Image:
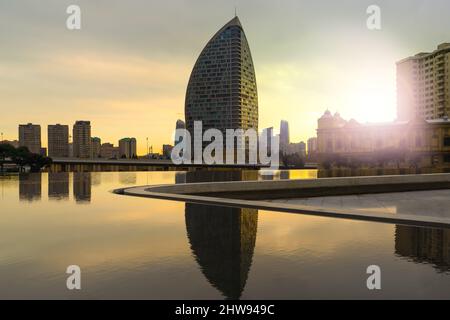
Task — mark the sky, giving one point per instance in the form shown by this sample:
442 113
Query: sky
127 69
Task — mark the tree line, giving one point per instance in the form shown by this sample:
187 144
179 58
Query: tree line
22 157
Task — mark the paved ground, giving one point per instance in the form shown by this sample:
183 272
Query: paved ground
434 203
418 208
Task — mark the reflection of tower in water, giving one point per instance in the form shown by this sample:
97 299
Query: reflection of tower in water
58 185
222 239
180 177
424 245
96 178
82 186
216 176
30 186
127 178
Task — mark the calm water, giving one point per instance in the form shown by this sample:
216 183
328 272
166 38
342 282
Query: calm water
155 249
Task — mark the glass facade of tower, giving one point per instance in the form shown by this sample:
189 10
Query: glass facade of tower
222 89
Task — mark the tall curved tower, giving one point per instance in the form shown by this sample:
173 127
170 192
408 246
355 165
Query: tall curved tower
222 87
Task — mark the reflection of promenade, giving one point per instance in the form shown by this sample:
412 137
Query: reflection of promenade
58 185
82 186
222 239
30 186
424 245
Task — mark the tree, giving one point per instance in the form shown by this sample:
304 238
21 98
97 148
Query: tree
6 151
22 157
37 162
293 160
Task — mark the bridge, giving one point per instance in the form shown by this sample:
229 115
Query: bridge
97 164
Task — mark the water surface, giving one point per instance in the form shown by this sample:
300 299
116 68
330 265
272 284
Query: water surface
140 248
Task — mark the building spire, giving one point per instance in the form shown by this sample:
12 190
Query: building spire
235 11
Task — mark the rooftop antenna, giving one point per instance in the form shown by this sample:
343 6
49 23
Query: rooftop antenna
235 11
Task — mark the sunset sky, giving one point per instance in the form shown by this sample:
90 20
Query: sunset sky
127 69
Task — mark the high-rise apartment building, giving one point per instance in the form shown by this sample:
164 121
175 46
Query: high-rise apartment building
284 136
70 150
127 148
423 87
58 140
82 139
30 137
96 144
179 125
267 133
222 89
312 145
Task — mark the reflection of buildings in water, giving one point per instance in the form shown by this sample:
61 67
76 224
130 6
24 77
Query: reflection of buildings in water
275 175
30 186
82 186
58 185
180 177
96 178
284 175
220 175
424 245
267 176
127 178
223 240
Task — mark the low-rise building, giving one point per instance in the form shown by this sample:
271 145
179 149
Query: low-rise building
167 150
108 151
415 143
296 148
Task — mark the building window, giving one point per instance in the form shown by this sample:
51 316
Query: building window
446 158
446 141
379 143
418 142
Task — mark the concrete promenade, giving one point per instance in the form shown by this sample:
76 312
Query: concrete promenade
421 200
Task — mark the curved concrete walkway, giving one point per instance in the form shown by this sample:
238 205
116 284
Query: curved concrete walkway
292 195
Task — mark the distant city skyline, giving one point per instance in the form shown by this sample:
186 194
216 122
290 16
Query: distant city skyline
128 75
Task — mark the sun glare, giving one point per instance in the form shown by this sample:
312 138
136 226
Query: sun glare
372 103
